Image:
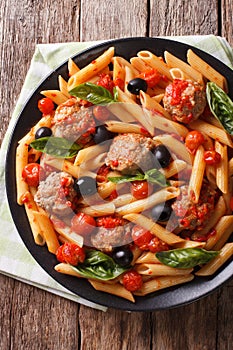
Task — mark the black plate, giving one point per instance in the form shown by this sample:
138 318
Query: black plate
164 299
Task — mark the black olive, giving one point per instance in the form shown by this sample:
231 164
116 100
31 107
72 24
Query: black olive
44 131
102 134
85 186
122 256
135 85
161 212
162 155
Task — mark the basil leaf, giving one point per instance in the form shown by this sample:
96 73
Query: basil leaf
152 175
93 93
99 266
220 105
185 258
56 146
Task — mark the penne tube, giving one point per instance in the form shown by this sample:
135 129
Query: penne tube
56 96
115 289
137 111
154 106
123 199
176 146
30 136
106 189
197 174
63 86
90 152
174 168
31 208
213 265
94 163
177 73
107 208
230 167
129 75
160 270
121 127
139 64
118 72
91 69
206 70
124 63
189 71
72 67
21 161
144 204
156 229
47 231
67 270
222 168
147 258
162 282
212 131
120 112
223 230
155 62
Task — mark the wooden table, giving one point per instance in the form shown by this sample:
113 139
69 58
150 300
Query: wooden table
33 319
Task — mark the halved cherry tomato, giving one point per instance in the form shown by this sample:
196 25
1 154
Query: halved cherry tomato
141 237
32 173
141 189
212 157
83 224
101 113
151 76
70 253
46 105
106 82
132 281
193 140
156 245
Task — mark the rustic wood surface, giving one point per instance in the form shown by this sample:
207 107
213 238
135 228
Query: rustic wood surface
33 319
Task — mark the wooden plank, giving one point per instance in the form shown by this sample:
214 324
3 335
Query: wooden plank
178 17
224 320
190 327
105 19
226 20
114 330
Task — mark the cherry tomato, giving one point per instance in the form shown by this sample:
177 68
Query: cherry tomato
151 76
32 173
70 253
83 224
101 113
141 237
212 157
141 189
132 281
193 140
45 105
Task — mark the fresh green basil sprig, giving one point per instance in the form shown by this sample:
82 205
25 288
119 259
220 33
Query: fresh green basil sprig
93 93
100 266
152 175
56 146
220 105
186 258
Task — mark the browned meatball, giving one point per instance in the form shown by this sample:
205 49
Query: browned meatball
55 194
184 100
193 216
73 122
129 152
107 238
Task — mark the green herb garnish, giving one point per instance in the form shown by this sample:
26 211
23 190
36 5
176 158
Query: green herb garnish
185 258
56 146
93 93
220 105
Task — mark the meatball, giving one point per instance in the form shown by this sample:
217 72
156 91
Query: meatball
73 122
55 194
130 152
193 216
106 239
184 100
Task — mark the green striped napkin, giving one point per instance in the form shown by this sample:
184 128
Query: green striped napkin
15 260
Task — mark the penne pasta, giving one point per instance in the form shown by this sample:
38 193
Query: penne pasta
197 174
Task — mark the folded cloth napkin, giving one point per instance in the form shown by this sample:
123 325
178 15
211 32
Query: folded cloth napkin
15 260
